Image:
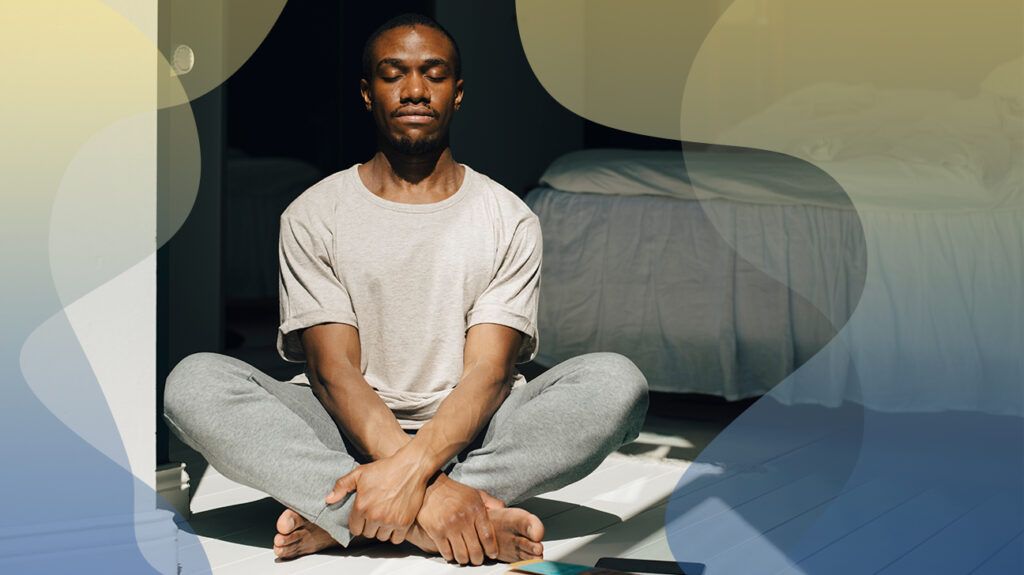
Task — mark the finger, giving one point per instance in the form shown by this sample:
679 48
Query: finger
345 484
443 547
459 548
370 530
398 536
384 534
476 553
356 523
485 531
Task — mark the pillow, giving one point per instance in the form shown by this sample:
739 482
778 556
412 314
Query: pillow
1006 80
617 171
1005 87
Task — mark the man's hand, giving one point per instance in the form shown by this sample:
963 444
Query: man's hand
455 517
389 494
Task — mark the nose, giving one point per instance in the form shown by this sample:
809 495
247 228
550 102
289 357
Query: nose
415 89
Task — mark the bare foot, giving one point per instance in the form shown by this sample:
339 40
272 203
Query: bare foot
519 535
297 537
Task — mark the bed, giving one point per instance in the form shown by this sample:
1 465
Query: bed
727 271
633 263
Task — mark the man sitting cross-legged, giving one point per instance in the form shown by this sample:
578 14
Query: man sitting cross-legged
409 287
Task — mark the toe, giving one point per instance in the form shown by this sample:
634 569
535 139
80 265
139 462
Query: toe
530 526
536 529
282 540
289 521
283 552
529 549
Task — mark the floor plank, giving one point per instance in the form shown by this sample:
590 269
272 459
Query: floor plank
814 529
892 533
967 542
1009 559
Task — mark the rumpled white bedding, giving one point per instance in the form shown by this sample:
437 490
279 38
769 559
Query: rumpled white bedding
903 178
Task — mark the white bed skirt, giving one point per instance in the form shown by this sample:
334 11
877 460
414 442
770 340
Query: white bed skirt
695 293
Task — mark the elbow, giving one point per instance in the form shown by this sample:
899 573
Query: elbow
504 390
319 388
327 382
502 378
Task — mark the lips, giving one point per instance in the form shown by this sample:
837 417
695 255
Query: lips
415 115
420 112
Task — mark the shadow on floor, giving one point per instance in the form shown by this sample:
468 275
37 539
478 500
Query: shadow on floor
251 523
672 452
254 524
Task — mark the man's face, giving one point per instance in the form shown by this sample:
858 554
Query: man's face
412 90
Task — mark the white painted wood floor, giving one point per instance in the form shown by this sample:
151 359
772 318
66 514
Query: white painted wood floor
616 511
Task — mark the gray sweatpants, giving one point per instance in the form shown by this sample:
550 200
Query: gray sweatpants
276 437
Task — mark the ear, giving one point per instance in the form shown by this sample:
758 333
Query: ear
364 90
458 94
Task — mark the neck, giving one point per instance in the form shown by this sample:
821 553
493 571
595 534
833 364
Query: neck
399 168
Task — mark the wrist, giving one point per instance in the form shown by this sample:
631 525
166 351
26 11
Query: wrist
419 463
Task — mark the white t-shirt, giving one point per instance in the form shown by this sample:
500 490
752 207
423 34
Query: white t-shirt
412 278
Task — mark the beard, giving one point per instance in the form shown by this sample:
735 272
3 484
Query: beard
423 145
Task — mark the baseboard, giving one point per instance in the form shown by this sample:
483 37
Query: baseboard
92 544
172 487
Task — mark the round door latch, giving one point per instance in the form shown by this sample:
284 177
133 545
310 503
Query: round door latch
183 59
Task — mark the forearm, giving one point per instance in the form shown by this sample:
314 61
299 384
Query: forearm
358 411
461 416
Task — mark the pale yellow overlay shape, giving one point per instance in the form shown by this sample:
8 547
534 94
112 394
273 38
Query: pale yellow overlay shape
222 34
934 86
914 109
621 64
78 72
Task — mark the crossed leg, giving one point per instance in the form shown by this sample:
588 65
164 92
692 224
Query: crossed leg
558 427
276 437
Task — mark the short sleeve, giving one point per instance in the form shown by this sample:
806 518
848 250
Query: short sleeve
310 291
512 296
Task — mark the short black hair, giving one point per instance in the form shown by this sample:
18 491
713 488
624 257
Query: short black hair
409 19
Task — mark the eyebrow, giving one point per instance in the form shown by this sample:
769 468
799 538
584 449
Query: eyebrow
400 64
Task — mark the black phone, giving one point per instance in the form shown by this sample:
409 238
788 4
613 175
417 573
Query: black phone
650 567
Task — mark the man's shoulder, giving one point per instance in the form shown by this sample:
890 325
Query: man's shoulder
510 205
318 199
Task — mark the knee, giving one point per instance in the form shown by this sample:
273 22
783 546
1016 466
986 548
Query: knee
188 387
624 385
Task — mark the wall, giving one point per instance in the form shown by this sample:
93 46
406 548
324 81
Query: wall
508 126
